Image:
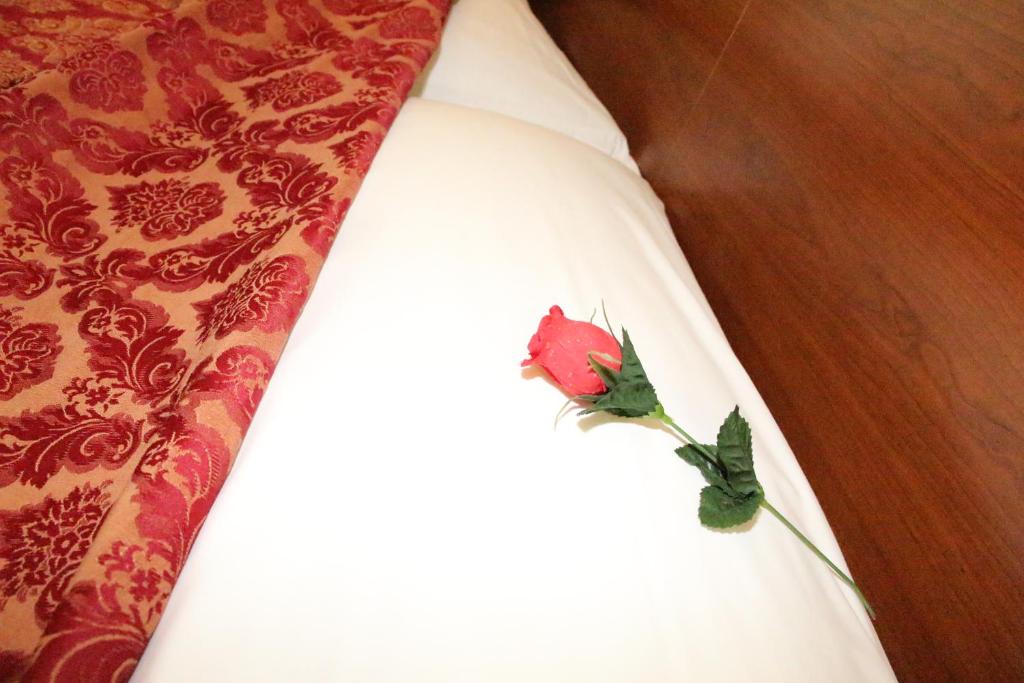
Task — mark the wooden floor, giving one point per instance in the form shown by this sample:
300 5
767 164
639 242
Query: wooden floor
847 179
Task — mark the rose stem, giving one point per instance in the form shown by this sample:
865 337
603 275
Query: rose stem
771 508
814 549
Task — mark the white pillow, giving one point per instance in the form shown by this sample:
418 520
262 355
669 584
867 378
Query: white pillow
495 55
403 509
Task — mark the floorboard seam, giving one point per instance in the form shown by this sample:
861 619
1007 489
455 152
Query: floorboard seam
718 60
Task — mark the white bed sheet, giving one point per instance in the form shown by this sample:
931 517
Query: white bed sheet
402 509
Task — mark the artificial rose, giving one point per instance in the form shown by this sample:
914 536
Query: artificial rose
569 351
563 347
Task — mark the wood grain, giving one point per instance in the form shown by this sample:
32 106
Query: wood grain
849 188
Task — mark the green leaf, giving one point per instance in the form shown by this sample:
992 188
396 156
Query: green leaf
630 393
735 453
709 469
721 510
632 370
733 493
625 400
606 374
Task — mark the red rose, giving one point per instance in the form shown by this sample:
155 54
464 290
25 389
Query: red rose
561 346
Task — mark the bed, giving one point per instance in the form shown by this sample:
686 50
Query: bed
403 507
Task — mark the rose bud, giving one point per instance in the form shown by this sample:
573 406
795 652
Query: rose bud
562 347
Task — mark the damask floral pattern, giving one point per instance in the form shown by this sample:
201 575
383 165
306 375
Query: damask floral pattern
238 378
35 446
22 279
167 197
292 90
408 22
237 16
41 545
48 208
267 296
28 353
39 34
166 209
356 152
106 78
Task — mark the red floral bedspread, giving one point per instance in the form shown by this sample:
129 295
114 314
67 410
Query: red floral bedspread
172 181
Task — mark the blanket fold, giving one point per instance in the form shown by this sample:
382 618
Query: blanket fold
173 175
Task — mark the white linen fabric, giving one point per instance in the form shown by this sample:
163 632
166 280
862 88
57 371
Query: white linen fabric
495 55
403 509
